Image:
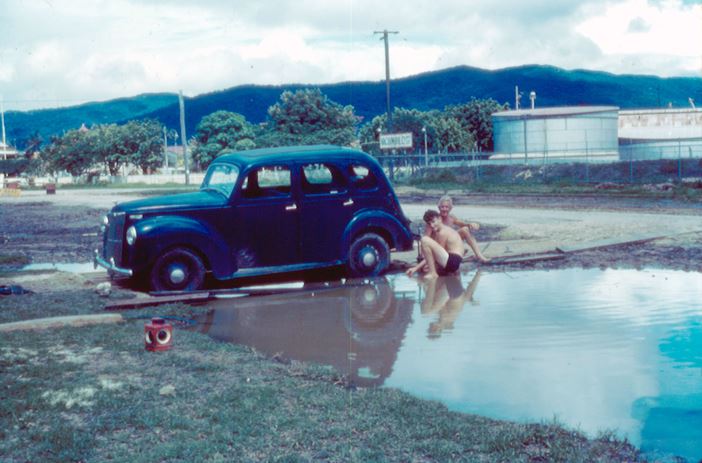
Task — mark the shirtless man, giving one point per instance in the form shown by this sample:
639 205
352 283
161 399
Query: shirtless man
464 229
442 251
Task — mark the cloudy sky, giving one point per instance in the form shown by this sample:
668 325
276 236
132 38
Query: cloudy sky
65 52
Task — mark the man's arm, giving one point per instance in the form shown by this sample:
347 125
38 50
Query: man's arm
472 226
412 270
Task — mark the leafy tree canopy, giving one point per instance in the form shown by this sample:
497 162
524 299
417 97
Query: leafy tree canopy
77 151
219 132
442 134
308 117
475 117
143 143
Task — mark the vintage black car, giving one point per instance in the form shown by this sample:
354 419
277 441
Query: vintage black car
261 212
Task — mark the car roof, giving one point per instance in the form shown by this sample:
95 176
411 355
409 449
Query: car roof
297 153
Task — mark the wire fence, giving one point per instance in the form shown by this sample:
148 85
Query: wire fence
631 164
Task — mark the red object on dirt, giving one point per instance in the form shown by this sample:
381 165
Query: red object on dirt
158 335
50 188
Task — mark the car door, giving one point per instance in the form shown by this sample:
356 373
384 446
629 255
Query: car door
366 187
326 209
266 228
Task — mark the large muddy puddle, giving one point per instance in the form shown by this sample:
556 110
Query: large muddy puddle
595 349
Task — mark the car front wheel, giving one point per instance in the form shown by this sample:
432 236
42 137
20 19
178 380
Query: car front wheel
369 255
177 270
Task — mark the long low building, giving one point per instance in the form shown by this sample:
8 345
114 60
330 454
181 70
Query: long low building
568 132
660 133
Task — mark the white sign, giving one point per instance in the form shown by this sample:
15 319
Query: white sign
395 140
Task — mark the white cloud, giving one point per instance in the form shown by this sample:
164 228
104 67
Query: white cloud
80 50
666 29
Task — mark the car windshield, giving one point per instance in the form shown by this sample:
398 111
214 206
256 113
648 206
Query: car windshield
221 178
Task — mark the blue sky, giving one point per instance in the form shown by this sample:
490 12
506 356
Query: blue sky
65 52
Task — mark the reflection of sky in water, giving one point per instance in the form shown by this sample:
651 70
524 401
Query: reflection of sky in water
598 350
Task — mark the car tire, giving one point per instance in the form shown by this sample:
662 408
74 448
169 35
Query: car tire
369 255
178 270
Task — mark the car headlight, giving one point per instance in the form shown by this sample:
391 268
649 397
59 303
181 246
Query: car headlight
131 235
104 224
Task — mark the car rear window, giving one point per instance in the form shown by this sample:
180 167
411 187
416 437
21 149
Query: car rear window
321 178
362 177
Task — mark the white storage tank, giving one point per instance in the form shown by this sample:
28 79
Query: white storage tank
646 134
584 132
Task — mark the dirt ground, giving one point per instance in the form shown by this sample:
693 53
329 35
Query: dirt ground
63 228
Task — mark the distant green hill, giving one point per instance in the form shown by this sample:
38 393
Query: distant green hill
431 90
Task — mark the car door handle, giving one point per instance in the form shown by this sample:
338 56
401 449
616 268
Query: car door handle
291 207
348 202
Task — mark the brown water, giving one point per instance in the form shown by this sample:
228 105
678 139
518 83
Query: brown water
598 350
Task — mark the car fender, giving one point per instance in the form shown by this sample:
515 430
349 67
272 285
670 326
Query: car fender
159 233
378 221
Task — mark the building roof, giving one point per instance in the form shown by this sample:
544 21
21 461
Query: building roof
557 111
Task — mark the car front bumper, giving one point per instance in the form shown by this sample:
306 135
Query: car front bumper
110 266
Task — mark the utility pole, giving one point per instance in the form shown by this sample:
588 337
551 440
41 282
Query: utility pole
165 149
2 116
385 33
183 140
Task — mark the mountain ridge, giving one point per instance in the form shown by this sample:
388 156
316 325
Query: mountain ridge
425 91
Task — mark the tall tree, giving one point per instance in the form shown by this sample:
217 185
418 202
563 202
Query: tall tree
476 118
219 132
73 153
143 143
308 117
109 147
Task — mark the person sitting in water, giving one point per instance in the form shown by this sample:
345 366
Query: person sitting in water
465 229
443 250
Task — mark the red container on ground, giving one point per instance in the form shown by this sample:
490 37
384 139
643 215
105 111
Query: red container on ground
158 335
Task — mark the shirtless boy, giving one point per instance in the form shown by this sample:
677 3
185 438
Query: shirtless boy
442 251
464 229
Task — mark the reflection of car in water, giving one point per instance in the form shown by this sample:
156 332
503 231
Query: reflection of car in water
355 327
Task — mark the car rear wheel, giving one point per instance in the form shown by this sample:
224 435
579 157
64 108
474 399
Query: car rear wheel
178 270
369 255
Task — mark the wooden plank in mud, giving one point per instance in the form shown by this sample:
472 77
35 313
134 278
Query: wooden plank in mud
525 258
138 302
592 246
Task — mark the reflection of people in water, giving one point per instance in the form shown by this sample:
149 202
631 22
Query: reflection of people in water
446 296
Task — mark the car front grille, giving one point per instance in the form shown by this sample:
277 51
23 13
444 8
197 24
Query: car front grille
114 237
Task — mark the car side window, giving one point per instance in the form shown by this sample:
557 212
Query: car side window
321 178
267 182
362 178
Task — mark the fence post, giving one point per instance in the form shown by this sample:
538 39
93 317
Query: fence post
587 162
679 161
631 168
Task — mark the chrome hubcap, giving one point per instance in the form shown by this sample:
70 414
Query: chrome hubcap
176 275
369 258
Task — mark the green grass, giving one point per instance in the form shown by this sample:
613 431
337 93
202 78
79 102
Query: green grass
94 394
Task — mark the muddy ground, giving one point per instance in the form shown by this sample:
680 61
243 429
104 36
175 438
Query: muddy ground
46 230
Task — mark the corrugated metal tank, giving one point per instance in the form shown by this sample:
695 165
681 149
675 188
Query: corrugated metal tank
557 131
646 134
